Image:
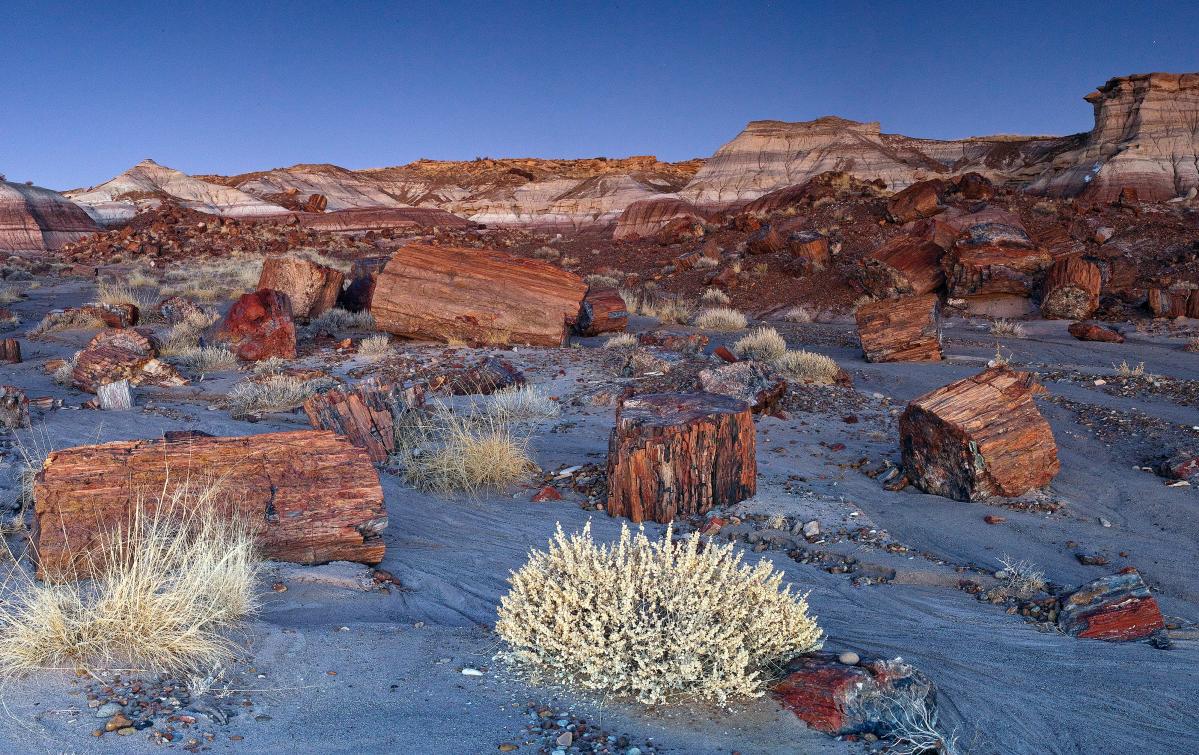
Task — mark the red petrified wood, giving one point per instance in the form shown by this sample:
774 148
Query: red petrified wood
676 454
1089 331
900 330
10 350
311 288
1071 290
363 414
979 437
904 266
259 326
478 296
1116 608
603 311
316 497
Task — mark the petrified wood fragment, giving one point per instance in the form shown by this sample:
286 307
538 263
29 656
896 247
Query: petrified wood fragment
759 386
1090 331
676 454
365 415
1071 290
1115 608
603 311
259 326
920 200
314 495
904 266
900 330
10 350
105 363
982 436
311 288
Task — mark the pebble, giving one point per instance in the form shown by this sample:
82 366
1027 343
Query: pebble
507 748
108 710
565 739
849 658
118 722
468 671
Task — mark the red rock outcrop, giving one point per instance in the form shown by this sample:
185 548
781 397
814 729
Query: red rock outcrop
33 219
259 326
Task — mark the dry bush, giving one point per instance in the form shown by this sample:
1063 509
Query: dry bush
184 335
661 622
621 341
521 403
714 295
71 319
808 367
650 303
205 359
62 375
1021 578
546 253
1007 329
374 346
597 280
799 314
763 344
111 292
10 293
912 723
442 452
141 279
165 590
707 263
1125 370
271 366
338 319
720 318
272 393
213 279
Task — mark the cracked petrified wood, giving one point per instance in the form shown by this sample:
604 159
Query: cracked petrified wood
603 311
979 437
904 266
259 326
1071 290
107 363
311 289
900 330
676 454
1115 608
476 296
365 415
315 497
10 350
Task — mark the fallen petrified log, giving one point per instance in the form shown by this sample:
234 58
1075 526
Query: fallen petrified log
14 408
676 454
603 311
259 326
673 340
904 266
900 330
839 698
1071 290
10 350
920 200
356 296
122 354
311 288
365 415
315 497
979 437
1089 331
994 264
1116 608
478 296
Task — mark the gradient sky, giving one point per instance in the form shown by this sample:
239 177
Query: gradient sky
88 89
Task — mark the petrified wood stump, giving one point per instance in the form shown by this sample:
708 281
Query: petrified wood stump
900 330
603 311
674 454
1089 331
311 288
259 326
365 415
316 497
904 266
10 350
1071 290
356 296
979 437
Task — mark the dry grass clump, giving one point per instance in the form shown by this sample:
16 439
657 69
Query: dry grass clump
714 295
1020 578
71 319
440 451
799 315
521 403
376 345
139 278
184 336
111 292
62 375
272 393
10 293
660 622
621 341
213 279
599 280
808 367
912 723
707 263
205 359
1008 329
164 592
271 366
763 344
1125 370
338 319
720 318
650 303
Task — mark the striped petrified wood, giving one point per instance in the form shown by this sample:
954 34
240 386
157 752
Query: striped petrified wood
364 414
315 496
904 266
979 437
900 330
478 296
1071 290
674 454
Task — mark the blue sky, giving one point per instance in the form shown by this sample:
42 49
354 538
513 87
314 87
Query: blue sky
224 87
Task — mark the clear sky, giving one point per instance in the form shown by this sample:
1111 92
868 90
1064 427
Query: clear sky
88 89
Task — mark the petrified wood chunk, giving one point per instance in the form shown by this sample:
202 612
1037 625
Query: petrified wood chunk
1168 302
14 408
1116 608
979 437
766 240
920 200
482 378
105 363
603 311
749 381
316 497
316 203
811 249
1071 290
137 340
900 330
1089 331
904 266
115 315
992 269
114 397
478 296
10 350
311 288
364 414
673 340
176 309
674 454
356 297
259 326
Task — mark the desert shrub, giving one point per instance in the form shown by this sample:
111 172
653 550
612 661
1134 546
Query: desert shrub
1020 578
271 366
164 592
205 359
521 403
763 344
798 314
213 279
442 452
339 319
10 293
376 345
1007 329
272 393
1125 370
184 335
808 367
110 292
621 341
720 318
660 622
650 303
140 279
546 253
707 263
911 722
71 319
597 280
715 296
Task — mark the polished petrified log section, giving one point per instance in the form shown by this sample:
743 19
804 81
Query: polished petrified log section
900 330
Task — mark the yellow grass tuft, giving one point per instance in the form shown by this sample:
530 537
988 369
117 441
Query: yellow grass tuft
71 319
763 344
272 393
376 345
443 452
720 318
808 367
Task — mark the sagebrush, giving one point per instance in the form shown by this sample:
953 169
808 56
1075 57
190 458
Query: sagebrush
763 344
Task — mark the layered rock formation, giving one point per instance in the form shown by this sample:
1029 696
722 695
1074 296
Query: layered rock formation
646 217
36 219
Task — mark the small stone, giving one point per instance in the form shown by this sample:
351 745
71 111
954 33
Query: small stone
565 739
108 710
507 747
849 658
118 722
468 671
811 529
126 731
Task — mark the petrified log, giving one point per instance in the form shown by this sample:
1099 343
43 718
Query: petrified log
115 315
311 288
316 203
979 437
1089 331
10 350
766 240
1115 608
315 496
137 340
1071 290
900 330
483 378
114 397
1168 302
676 454
811 249
478 296
356 297
838 698
603 311
14 408
365 415
920 200
992 269
99 365
259 326
748 381
904 266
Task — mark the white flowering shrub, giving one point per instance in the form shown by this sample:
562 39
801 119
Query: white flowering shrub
660 622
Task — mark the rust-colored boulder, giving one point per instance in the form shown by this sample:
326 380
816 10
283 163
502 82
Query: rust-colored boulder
900 330
1071 290
259 326
311 288
920 200
603 311
972 186
1090 331
904 266
979 437
316 497
477 296
1116 608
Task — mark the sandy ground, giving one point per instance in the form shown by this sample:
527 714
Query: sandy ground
398 656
